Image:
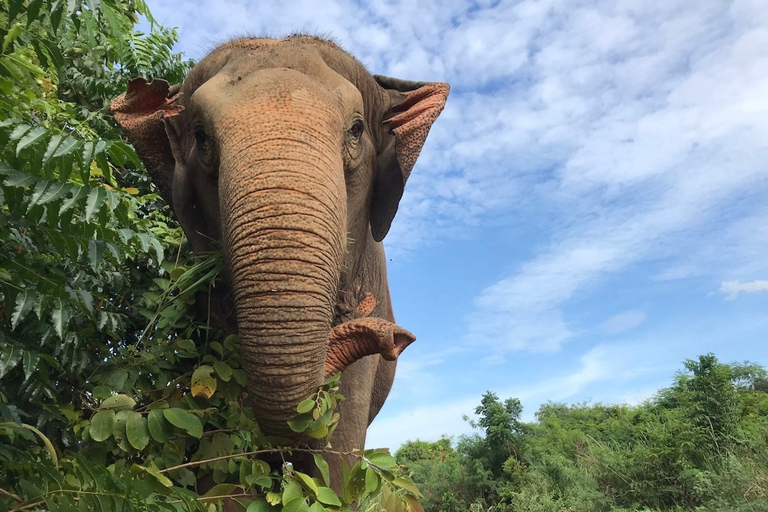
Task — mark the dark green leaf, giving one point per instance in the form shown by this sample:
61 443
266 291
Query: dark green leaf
78 194
160 428
9 358
136 430
96 199
52 145
33 137
101 425
31 358
60 317
70 145
25 299
95 252
185 421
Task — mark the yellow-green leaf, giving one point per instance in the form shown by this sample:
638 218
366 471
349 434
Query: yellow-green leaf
203 382
307 481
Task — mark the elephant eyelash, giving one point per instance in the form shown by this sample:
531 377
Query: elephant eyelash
356 130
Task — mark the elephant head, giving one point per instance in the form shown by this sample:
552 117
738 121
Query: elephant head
292 158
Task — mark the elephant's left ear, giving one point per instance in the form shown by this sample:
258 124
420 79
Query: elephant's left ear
414 107
140 112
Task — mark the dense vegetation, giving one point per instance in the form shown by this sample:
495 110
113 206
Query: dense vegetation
701 444
115 392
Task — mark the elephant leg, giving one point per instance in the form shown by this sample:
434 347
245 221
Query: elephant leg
382 384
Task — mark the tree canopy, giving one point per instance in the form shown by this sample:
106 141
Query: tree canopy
701 444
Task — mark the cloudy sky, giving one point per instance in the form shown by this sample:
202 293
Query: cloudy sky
590 209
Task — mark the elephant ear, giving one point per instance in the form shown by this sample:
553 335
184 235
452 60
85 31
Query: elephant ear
414 106
140 112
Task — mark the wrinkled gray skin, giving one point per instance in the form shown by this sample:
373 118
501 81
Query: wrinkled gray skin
291 156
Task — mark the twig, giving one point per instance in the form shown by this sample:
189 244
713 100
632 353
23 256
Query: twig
28 506
11 495
257 452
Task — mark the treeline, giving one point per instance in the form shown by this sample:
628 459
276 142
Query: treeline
700 444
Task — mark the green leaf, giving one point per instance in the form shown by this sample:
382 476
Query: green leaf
101 425
316 507
292 492
137 431
306 406
87 154
300 423
223 370
95 252
31 359
51 149
54 191
118 403
33 137
185 421
19 131
328 497
160 428
78 194
406 483
322 465
307 481
259 505
372 480
70 145
96 199
60 317
119 430
24 302
381 458
298 505
221 490
264 481
9 358
152 470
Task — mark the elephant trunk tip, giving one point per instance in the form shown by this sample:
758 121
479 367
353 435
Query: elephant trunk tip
362 337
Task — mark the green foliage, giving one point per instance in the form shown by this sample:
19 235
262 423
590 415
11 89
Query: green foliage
701 444
115 393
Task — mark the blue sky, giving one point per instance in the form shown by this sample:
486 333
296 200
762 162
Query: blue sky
590 209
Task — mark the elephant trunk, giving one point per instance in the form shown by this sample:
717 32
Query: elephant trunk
283 212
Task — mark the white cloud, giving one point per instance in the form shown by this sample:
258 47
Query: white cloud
623 322
734 288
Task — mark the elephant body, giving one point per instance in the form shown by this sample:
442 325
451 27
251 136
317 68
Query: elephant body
291 158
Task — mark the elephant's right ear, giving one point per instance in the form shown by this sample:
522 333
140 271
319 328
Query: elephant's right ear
414 106
140 112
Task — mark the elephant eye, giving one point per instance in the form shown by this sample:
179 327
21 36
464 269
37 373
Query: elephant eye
356 130
200 136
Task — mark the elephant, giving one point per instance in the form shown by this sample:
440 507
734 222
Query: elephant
291 158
